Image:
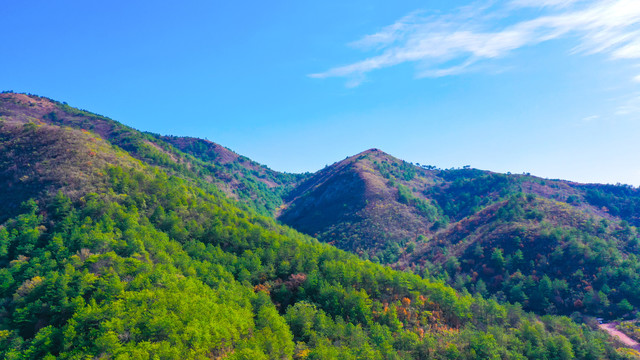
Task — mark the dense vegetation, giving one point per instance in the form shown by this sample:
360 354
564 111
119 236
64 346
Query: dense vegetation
153 267
552 246
201 161
139 261
251 182
619 200
544 255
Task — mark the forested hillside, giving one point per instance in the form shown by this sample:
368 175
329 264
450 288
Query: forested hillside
542 253
555 247
109 255
201 161
356 205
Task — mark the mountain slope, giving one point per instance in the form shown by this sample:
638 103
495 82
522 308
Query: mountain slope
137 263
36 161
358 206
545 254
497 234
238 175
198 160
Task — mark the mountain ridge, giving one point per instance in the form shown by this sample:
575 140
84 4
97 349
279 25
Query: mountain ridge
237 176
143 261
461 224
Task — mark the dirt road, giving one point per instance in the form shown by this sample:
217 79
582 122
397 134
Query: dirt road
611 329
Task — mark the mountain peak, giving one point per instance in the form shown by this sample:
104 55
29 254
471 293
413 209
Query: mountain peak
367 192
23 107
372 152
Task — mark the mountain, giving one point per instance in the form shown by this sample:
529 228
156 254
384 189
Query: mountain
239 176
544 254
363 204
203 161
554 246
114 256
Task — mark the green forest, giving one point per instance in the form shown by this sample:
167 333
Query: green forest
106 253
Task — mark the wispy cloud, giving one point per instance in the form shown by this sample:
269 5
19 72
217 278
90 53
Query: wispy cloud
630 106
543 3
590 119
487 31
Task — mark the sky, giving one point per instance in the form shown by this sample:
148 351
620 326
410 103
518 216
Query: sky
549 87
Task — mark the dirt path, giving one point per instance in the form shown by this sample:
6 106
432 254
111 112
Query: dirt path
611 329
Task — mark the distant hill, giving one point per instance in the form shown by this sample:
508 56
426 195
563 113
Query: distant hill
237 175
554 246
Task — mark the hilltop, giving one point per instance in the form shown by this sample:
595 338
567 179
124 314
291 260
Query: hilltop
356 204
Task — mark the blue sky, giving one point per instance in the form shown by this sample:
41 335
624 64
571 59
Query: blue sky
550 87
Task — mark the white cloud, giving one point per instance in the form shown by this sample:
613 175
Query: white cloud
543 3
389 34
486 31
590 119
631 106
